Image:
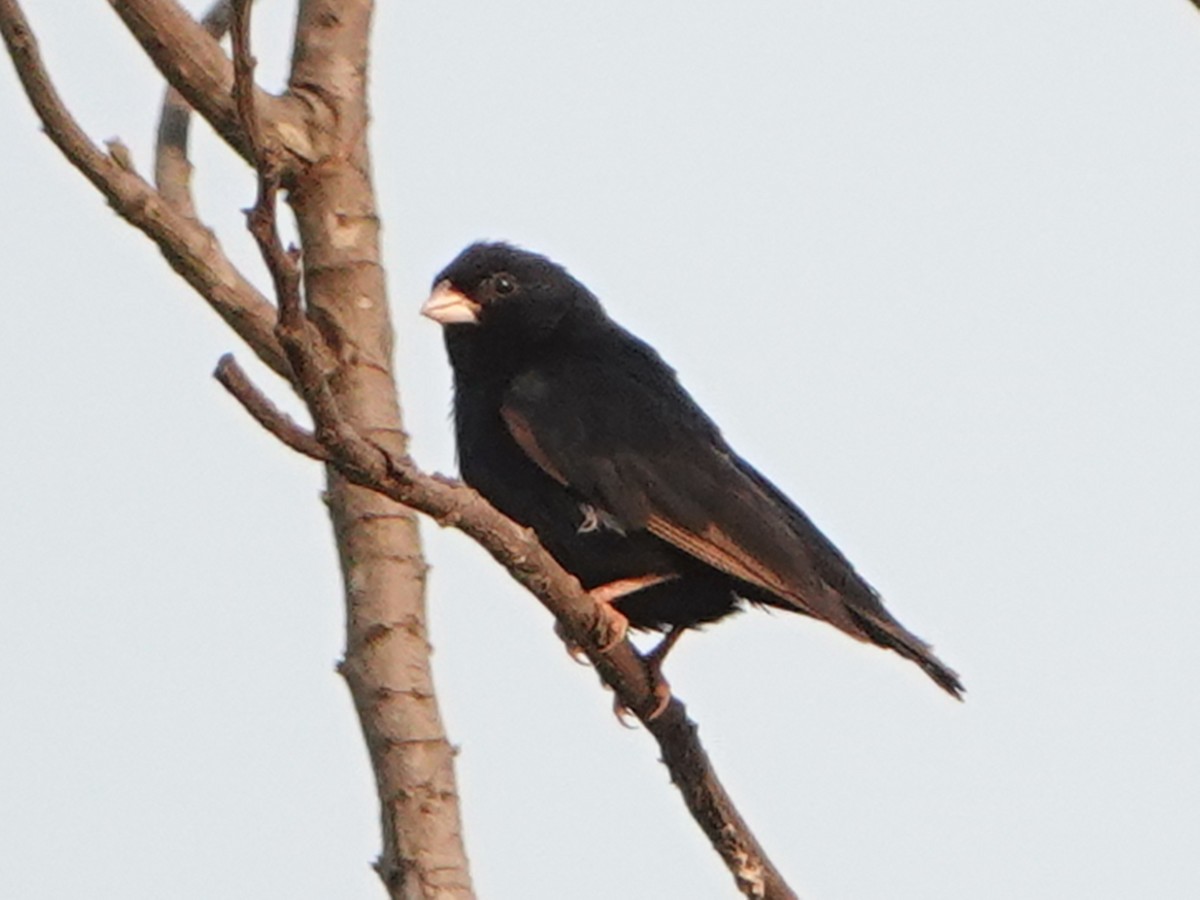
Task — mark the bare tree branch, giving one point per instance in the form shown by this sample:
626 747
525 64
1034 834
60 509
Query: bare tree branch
192 250
234 379
194 64
387 665
172 167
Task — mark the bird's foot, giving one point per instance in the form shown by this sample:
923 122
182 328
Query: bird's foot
609 628
573 649
660 690
656 657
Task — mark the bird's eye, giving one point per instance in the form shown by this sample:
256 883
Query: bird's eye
504 284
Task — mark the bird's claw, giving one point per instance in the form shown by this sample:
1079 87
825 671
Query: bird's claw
610 627
624 714
660 690
573 649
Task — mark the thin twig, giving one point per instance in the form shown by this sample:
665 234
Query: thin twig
235 380
172 166
283 264
244 87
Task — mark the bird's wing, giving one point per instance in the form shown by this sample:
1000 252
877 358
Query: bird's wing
628 439
635 444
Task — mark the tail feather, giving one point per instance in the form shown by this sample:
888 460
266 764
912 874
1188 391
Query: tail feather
887 632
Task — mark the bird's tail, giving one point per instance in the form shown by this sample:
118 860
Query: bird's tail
887 632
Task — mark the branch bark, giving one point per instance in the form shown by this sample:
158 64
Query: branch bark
192 62
387 663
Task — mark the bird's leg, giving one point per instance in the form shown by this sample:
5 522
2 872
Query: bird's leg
654 663
611 626
655 658
659 686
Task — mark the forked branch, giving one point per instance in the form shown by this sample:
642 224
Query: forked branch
192 62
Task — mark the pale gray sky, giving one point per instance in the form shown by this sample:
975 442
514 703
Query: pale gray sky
935 268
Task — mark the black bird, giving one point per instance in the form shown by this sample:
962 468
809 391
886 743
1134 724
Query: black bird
575 428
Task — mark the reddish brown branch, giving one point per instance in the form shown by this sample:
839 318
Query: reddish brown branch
283 265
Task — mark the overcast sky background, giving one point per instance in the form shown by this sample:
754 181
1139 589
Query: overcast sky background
933 266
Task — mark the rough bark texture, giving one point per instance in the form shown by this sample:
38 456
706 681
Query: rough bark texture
192 61
387 658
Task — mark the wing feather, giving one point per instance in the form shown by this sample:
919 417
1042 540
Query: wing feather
629 440
655 461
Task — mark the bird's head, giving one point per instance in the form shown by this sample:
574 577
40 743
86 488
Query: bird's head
505 299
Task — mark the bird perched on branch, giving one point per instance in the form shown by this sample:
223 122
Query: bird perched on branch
570 425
